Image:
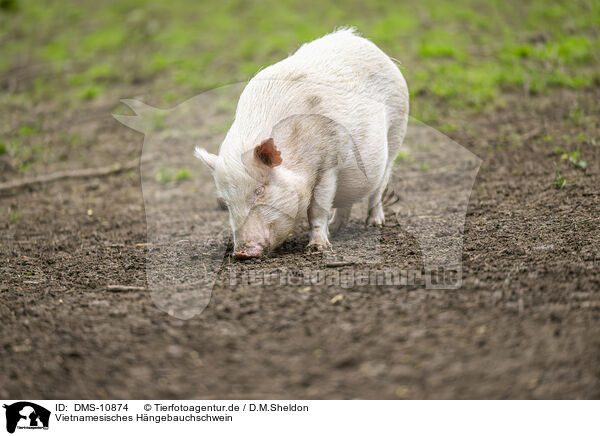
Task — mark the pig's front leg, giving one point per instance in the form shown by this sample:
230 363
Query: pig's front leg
319 209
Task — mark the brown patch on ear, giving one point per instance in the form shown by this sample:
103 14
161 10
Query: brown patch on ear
267 153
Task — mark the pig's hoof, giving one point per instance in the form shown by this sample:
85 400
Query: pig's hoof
318 246
376 218
248 253
372 222
375 221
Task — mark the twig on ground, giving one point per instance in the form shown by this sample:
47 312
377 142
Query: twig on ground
338 264
72 174
122 288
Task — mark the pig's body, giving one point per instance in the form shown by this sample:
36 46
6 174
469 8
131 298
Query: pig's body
336 111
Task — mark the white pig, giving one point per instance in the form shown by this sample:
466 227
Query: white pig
312 135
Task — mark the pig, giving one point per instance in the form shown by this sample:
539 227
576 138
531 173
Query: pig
312 135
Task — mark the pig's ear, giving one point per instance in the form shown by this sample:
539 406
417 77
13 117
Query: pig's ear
209 159
267 153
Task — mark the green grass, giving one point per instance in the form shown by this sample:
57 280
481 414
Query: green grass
559 180
403 156
89 92
459 56
23 152
14 216
168 175
156 120
573 157
446 49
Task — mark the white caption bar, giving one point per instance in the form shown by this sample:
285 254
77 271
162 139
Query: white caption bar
22 417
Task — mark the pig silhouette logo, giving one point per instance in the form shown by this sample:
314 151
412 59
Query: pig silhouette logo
26 415
187 235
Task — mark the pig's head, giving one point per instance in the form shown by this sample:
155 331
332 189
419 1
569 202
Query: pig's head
259 192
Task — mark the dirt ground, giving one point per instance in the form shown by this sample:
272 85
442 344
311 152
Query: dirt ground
524 324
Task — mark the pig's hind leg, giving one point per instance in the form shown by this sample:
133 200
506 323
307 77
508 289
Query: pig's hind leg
375 216
395 137
339 219
319 210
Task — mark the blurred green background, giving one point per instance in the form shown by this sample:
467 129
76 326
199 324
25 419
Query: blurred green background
460 56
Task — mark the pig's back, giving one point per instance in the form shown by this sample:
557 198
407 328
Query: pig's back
342 55
344 72
343 60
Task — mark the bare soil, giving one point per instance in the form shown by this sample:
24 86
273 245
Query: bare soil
524 323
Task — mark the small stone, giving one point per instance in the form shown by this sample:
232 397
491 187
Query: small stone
337 299
402 392
175 350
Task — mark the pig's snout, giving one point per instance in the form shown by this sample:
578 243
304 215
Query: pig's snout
252 238
248 251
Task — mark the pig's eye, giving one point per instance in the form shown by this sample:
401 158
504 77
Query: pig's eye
259 191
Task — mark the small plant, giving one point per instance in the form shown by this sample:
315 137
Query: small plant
574 157
439 50
559 180
168 175
448 127
403 156
90 92
170 97
575 160
22 151
183 174
164 176
424 166
26 130
14 216
158 121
